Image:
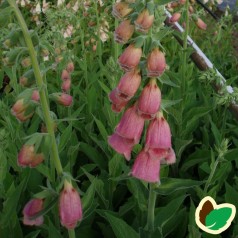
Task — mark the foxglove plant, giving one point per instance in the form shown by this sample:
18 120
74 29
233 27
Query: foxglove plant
158 147
35 151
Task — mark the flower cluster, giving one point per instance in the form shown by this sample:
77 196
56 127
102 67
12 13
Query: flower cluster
174 6
70 208
158 147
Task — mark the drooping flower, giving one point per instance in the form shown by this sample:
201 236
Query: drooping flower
149 101
201 24
156 63
35 96
121 10
129 84
130 58
121 145
33 207
175 17
28 157
144 21
65 75
62 99
70 208
146 168
118 103
131 125
66 85
124 32
158 133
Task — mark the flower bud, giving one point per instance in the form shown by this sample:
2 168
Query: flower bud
158 133
144 21
156 63
201 24
130 58
27 79
65 75
18 107
131 125
26 62
149 101
121 145
70 208
33 207
129 84
175 17
28 157
62 99
70 67
66 85
124 32
146 168
35 96
121 10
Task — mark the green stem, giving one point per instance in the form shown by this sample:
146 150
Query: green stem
185 46
211 175
151 209
41 86
71 233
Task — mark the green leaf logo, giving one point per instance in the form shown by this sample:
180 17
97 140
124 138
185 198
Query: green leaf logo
213 218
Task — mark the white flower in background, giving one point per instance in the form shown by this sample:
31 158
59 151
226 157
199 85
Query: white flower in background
76 7
205 1
219 1
38 8
45 6
46 58
60 2
24 3
69 31
103 30
101 3
229 89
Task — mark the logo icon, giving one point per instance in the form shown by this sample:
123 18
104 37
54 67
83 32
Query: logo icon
213 218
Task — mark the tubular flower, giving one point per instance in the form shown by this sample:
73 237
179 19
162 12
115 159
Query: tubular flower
144 21
156 63
28 157
129 84
146 168
149 101
124 32
62 99
65 75
121 10
70 208
175 17
131 125
130 58
66 85
118 103
23 110
201 24
33 207
158 133
121 145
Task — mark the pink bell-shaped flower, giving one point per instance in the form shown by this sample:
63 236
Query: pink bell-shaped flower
70 208
118 103
124 32
33 207
149 101
146 168
131 125
130 58
121 145
158 133
144 21
129 84
156 63
175 17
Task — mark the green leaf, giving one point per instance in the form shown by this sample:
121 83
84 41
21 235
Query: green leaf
217 218
170 185
101 128
162 2
120 227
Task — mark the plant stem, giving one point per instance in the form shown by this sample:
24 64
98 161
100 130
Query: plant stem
41 86
211 175
185 46
151 209
71 233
